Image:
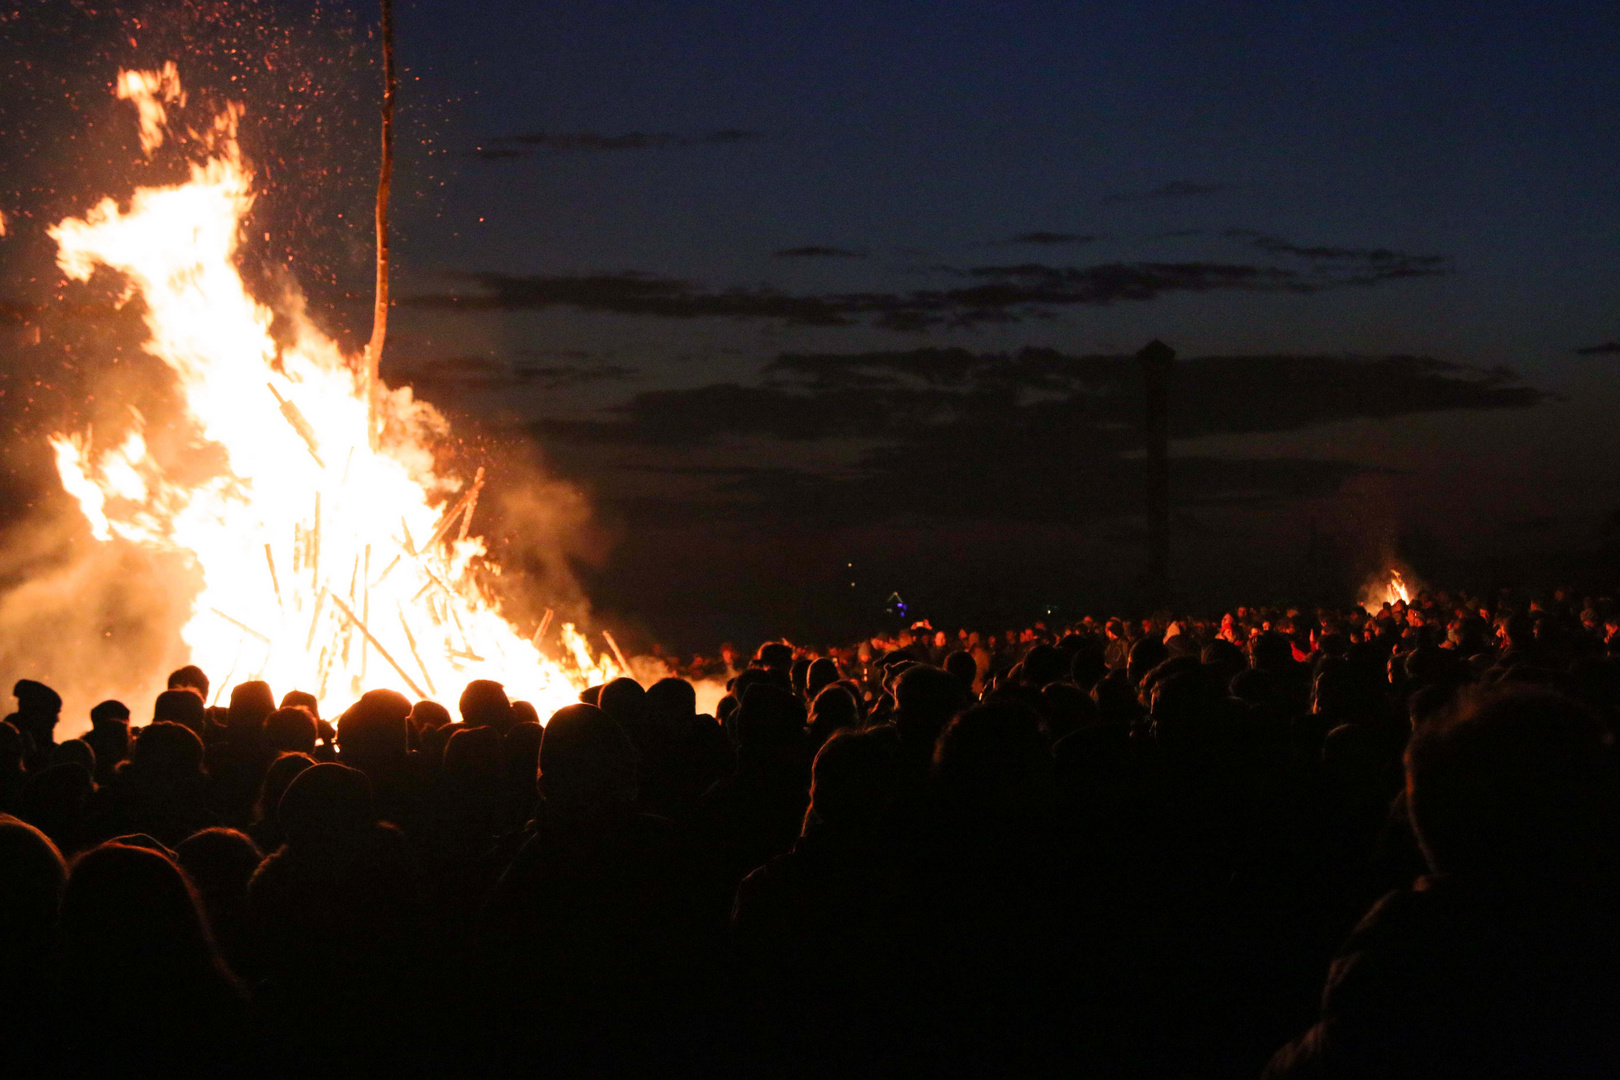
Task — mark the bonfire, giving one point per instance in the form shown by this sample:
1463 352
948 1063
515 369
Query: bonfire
334 554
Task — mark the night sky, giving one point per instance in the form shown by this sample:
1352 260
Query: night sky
816 302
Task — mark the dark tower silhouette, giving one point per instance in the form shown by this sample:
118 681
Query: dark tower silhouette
1157 359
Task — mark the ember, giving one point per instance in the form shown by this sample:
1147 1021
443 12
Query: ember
327 565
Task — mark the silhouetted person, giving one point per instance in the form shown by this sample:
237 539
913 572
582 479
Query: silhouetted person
31 877
756 813
484 704
374 737
698 752
266 830
135 946
290 731
809 928
925 700
1504 960
775 656
56 800
336 919
38 710
823 673
237 760
78 752
190 677
108 737
986 902
161 790
183 707
220 862
589 927
964 667
832 710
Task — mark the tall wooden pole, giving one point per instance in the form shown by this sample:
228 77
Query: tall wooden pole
379 314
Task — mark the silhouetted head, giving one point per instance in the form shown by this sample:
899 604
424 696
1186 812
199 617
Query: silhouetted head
77 751
821 674
56 799
1271 652
992 762
521 746
853 780
964 667
190 677
372 732
1045 664
183 707
220 862
484 704
326 805
1513 784
38 709
109 712
1223 660
777 655
524 712
1089 662
129 916
1184 708
798 674
925 700
1147 654
277 777
768 719
673 699
587 765
290 731
623 700
31 877
833 710
474 760
302 699
427 715
1066 708
1116 699
167 752
251 703
36 697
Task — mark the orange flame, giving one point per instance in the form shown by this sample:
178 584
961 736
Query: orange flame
1390 592
326 566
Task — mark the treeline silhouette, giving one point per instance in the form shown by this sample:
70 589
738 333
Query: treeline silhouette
1305 843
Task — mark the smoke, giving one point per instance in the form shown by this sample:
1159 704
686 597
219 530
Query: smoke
92 620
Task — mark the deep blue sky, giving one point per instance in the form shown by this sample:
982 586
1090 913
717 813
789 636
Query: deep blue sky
620 227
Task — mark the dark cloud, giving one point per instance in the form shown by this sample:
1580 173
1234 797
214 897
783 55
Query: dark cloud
1375 259
1029 435
814 251
1608 348
1043 237
992 294
1176 189
479 371
557 376
506 147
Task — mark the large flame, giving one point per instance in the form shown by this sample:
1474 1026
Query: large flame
326 566
1389 592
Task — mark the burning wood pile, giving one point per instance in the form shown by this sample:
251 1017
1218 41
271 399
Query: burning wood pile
335 557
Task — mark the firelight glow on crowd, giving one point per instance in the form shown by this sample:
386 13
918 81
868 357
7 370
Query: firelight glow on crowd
371 827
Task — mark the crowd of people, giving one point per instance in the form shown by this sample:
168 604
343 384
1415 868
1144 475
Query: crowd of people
1301 842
